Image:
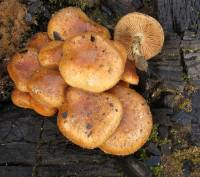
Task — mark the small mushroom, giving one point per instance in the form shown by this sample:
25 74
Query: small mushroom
47 87
142 36
121 50
123 84
21 99
71 21
22 66
135 126
51 54
130 76
39 40
89 119
24 100
42 109
91 62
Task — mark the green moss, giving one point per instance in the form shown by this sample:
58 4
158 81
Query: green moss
83 4
185 77
189 50
173 131
173 164
154 134
154 137
157 171
186 105
142 155
192 153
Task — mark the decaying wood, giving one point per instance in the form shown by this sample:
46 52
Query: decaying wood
35 145
178 15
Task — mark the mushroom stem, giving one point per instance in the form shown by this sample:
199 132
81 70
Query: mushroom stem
140 61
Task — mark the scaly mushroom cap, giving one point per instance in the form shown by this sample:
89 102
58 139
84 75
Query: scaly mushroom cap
130 74
91 63
51 54
143 26
42 109
135 126
71 21
47 87
21 99
22 66
39 40
89 119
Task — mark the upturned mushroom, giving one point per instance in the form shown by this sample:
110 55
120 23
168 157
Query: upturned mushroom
51 54
142 36
71 21
47 87
89 119
135 126
91 62
39 40
21 67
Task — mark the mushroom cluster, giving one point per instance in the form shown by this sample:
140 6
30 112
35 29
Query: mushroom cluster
77 70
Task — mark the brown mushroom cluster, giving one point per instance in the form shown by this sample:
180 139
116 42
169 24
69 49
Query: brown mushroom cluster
77 70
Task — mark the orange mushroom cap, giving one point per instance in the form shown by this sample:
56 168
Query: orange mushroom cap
130 74
24 100
22 66
135 126
71 21
51 54
144 27
89 119
39 40
21 99
47 87
42 109
91 62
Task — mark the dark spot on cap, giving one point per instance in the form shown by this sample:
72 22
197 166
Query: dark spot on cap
1 35
88 126
116 110
64 115
89 134
110 70
104 114
23 51
111 104
143 103
92 38
103 50
57 36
